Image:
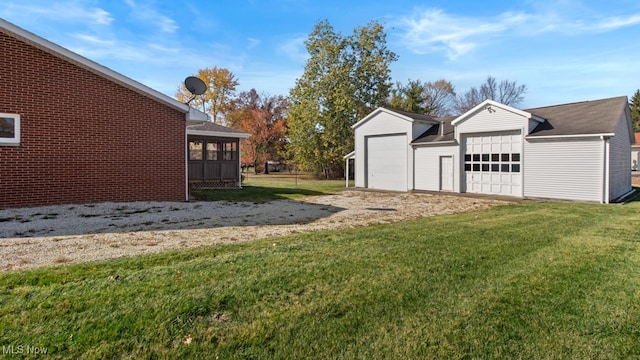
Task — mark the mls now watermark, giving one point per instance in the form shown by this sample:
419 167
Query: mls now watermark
24 349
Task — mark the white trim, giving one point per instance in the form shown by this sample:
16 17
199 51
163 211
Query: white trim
72 57
239 166
607 146
447 143
522 162
241 135
15 140
390 112
487 104
530 137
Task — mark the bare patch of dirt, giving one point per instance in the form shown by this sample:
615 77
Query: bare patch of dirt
83 233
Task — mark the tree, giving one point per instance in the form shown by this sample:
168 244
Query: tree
438 97
634 106
505 92
409 97
264 117
344 79
217 101
467 101
433 98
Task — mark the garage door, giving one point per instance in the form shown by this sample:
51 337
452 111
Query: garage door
387 162
492 163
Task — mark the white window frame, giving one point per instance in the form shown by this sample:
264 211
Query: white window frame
14 141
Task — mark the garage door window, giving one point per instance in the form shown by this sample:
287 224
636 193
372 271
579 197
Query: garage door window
504 162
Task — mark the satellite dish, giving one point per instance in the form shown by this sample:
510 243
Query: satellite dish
195 85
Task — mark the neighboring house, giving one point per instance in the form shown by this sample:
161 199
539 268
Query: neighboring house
74 131
577 151
635 153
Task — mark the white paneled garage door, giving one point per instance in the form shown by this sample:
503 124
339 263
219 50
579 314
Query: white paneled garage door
387 162
493 163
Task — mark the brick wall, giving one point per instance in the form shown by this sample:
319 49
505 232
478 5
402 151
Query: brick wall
83 138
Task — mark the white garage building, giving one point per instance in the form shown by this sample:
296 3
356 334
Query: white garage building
578 151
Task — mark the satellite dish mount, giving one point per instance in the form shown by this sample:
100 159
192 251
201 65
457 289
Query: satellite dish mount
195 86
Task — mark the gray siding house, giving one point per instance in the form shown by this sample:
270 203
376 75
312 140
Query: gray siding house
578 151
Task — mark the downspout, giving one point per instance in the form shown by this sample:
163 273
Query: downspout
346 175
605 194
186 164
522 163
240 166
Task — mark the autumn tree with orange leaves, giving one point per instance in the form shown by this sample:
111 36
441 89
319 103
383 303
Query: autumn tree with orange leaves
218 99
264 117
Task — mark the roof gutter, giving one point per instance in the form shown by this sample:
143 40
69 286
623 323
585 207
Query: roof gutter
435 143
530 137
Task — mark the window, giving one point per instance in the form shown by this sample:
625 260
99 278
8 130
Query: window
9 129
195 150
213 149
229 151
492 162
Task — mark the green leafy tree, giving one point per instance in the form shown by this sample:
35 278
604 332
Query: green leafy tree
344 79
433 98
634 106
409 97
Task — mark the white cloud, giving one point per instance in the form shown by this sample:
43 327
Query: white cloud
71 11
294 48
147 14
435 31
253 42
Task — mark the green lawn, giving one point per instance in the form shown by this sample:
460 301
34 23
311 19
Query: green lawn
272 187
533 280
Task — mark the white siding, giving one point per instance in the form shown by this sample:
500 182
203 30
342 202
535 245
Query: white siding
620 156
497 120
380 124
427 167
571 169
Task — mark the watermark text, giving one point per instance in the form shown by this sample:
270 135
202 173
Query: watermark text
24 350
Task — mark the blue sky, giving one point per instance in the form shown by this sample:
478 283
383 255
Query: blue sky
563 50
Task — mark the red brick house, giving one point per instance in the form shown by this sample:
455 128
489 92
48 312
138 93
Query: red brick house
74 131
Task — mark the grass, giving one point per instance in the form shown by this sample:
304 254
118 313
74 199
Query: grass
536 280
261 188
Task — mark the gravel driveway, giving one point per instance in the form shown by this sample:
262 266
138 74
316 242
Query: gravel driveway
43 236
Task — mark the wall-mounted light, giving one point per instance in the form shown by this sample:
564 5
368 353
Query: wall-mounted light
489 109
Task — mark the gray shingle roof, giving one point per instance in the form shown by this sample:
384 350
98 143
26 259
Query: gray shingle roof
414 116
582 118
209 126
432 135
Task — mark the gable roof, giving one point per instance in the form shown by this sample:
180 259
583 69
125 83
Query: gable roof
491 103
597 117
435 135
208 128
408 116
89 65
